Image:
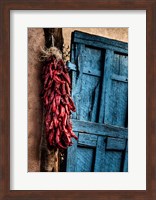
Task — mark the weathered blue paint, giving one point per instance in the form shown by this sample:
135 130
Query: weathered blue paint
115 143
99 42
99 129
99 69
72 159
87 140
99 165
85 158
116 95
125 167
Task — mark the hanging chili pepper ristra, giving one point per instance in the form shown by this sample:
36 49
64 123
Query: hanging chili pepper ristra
57 100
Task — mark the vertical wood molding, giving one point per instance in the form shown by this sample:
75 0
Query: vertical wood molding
49 158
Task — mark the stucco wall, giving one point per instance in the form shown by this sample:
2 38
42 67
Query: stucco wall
113 33
35 40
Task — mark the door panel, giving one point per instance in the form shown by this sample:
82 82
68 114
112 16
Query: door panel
116 105
99 72
90 85
87 139
113 161
116 89
85 159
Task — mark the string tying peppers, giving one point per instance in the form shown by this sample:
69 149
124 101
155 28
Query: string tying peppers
58 103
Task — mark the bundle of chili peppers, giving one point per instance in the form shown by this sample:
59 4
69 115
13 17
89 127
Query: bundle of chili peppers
58 103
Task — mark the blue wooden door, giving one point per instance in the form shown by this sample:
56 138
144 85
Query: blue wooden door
99 70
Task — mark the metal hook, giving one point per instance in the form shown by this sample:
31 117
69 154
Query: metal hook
52 40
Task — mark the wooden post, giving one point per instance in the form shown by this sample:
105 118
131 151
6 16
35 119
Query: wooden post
49 161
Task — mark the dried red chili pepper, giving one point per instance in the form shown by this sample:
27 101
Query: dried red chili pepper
67 88
57 79
57 99
63 90
55 120
57 111
64 119
57 103
67 110
62 111
51 96
51 125
67 77
54 106
51 138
